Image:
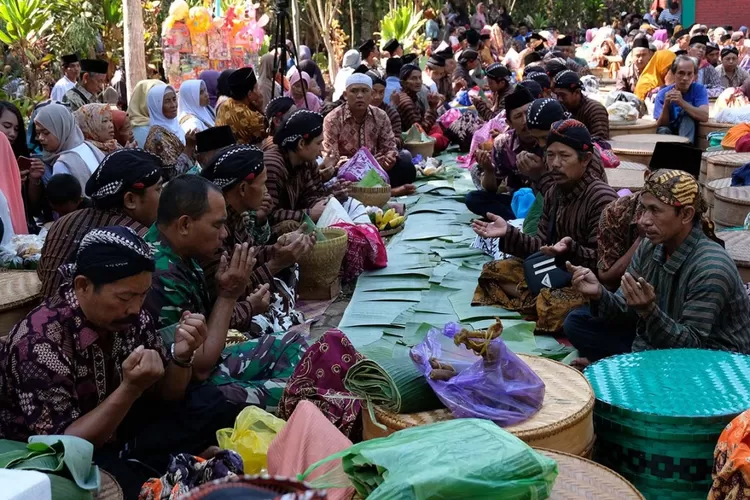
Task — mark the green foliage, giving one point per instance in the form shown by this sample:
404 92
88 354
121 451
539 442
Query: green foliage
24 22
404 24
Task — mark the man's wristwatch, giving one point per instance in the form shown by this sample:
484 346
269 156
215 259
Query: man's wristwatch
182 364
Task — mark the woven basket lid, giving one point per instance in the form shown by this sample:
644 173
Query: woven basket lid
672 385
738 246
625 178
730 160
109 488
581 478
568 398
738 195
629 165
721 152
638 124
719 183
642 143
18 288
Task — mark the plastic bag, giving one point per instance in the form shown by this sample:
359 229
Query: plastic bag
358 165
522 201
504 390
253 431
465 458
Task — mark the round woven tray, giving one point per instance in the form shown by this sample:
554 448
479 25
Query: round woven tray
320 267
737 244
721 166
710 189
20 292
628 175
639 148
731 206
564 422
579 478
640 126
704 161
371 197
703 129
109 489
390 232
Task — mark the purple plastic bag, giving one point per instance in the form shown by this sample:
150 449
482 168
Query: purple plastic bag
505 390
359 164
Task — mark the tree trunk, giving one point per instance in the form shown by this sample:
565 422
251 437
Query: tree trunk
351 20
135 51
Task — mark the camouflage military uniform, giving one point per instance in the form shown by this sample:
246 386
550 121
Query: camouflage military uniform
255 371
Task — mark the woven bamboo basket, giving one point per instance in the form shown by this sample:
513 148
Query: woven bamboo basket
628 175
721 166
706 128
639 148
737 244
20 292
710 189
640 126
371 197
704 162
731 206
319 268
564 422
109 489
426 149
581 478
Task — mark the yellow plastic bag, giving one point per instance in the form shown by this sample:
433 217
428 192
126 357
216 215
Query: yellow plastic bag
253 431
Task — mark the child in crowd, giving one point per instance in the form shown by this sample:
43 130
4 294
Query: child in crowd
64 194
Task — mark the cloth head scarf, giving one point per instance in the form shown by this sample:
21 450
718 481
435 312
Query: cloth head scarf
278 106
60 122
266 82
211 79
406 71
309 100
533 87
122 171
729 50
112 253
351 59
118 120
572 133
542 79
661 36
680 189
138 103
544 112
189 102
233 165
89 118
10 186
302 124
304 53
567 80
652 76
156 116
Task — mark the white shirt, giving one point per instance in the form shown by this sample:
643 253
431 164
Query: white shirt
193 123
670 18
429 83
84 151
60 88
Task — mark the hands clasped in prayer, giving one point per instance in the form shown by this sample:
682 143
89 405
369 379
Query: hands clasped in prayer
233 274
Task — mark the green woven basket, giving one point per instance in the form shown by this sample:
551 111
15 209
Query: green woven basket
658 415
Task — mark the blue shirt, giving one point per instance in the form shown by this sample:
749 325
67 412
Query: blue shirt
695 96
392 84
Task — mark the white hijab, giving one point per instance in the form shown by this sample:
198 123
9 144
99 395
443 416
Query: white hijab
189 104
155 102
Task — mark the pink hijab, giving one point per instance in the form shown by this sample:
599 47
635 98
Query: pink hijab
313 103
10 185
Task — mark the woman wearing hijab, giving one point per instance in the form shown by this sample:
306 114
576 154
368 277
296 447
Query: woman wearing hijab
267 87
166 139
310 67
352 59
194 110
123 129
96 123
211 79
653 75
299 91
138 110
63 144
222 87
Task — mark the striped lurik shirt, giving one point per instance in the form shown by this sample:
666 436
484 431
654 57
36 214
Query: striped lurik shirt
395 119
576 213
293 191
701 301
489 110
594 115
65 235
411 112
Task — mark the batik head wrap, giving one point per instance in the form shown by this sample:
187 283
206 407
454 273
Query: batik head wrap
112 253
302 124
278 106
407 70
567 80
680 189
121 171
544 112
233 165
572 133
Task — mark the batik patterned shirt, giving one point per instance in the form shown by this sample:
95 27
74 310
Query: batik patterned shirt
77 97
55 368
248 126
736 80
618 229
343 136
701 301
